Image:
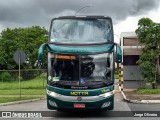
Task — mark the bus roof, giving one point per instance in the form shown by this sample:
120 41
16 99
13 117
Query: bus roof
82 16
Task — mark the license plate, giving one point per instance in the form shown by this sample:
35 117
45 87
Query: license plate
79 105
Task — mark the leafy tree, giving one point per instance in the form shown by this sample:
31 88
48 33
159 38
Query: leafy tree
27 39
148 33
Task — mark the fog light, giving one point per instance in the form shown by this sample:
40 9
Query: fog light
106 104
52 103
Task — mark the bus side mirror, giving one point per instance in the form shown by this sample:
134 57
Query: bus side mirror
41 52
118 54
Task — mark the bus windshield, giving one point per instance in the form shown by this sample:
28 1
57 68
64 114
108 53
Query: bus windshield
77 70
81 31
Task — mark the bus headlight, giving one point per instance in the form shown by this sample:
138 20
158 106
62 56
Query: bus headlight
51 93
107 94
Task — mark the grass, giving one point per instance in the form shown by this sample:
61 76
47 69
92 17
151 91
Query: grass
23 92
11 99
148 91
36 83
116 76
30 89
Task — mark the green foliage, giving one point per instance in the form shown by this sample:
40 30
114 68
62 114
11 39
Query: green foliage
30 74
26 39
116 76
6 77
148 33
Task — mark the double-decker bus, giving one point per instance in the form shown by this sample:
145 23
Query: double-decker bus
81 52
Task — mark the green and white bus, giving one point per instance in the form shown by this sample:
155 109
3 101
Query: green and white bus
81 52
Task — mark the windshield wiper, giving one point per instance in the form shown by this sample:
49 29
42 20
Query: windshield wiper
52 82
104 82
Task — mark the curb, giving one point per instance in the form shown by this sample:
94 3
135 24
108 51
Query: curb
138 101
22 101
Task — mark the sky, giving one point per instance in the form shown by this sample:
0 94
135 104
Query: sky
124 13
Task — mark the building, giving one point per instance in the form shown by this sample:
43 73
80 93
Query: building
131 49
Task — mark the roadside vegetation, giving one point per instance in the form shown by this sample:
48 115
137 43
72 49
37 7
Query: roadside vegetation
148 33
12 99
30 89
116 76
148 91
33 80
36 83
27 39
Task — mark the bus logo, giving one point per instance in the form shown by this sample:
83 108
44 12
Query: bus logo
79 98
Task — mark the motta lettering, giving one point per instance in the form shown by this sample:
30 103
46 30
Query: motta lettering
79 93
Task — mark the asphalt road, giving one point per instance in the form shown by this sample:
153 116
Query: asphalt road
120 105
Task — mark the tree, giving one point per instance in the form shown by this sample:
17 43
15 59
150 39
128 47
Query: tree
27 39
148 33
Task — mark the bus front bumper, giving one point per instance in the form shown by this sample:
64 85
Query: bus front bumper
60 102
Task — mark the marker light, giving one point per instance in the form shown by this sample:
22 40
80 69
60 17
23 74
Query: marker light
52 103
106 104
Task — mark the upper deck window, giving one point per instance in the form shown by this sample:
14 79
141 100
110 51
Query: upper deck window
81 31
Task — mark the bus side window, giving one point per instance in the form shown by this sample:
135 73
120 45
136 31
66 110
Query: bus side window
108 62
108 69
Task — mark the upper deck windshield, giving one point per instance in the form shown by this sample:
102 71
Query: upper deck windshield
81 31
